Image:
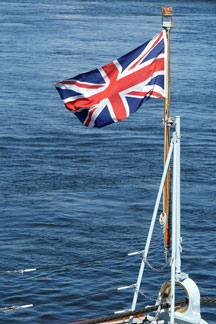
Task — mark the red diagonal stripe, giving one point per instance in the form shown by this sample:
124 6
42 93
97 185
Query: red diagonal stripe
89 117
143 94
145 54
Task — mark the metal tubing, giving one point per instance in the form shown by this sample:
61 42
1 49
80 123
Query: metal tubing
174 221
178 224
160 191
176 240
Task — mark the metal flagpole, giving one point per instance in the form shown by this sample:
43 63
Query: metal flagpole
178 208
167 24
174 229
176 239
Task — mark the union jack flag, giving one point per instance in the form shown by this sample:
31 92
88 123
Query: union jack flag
115 91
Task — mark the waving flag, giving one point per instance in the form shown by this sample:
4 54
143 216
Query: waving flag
115 91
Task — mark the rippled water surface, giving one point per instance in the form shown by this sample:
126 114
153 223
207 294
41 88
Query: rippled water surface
70 194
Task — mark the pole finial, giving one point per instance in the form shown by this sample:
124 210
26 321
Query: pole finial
167 17
167 11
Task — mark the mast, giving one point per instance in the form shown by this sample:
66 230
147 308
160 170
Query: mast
191 313
167 24
168 148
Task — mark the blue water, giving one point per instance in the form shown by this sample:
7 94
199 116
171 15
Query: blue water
69 193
